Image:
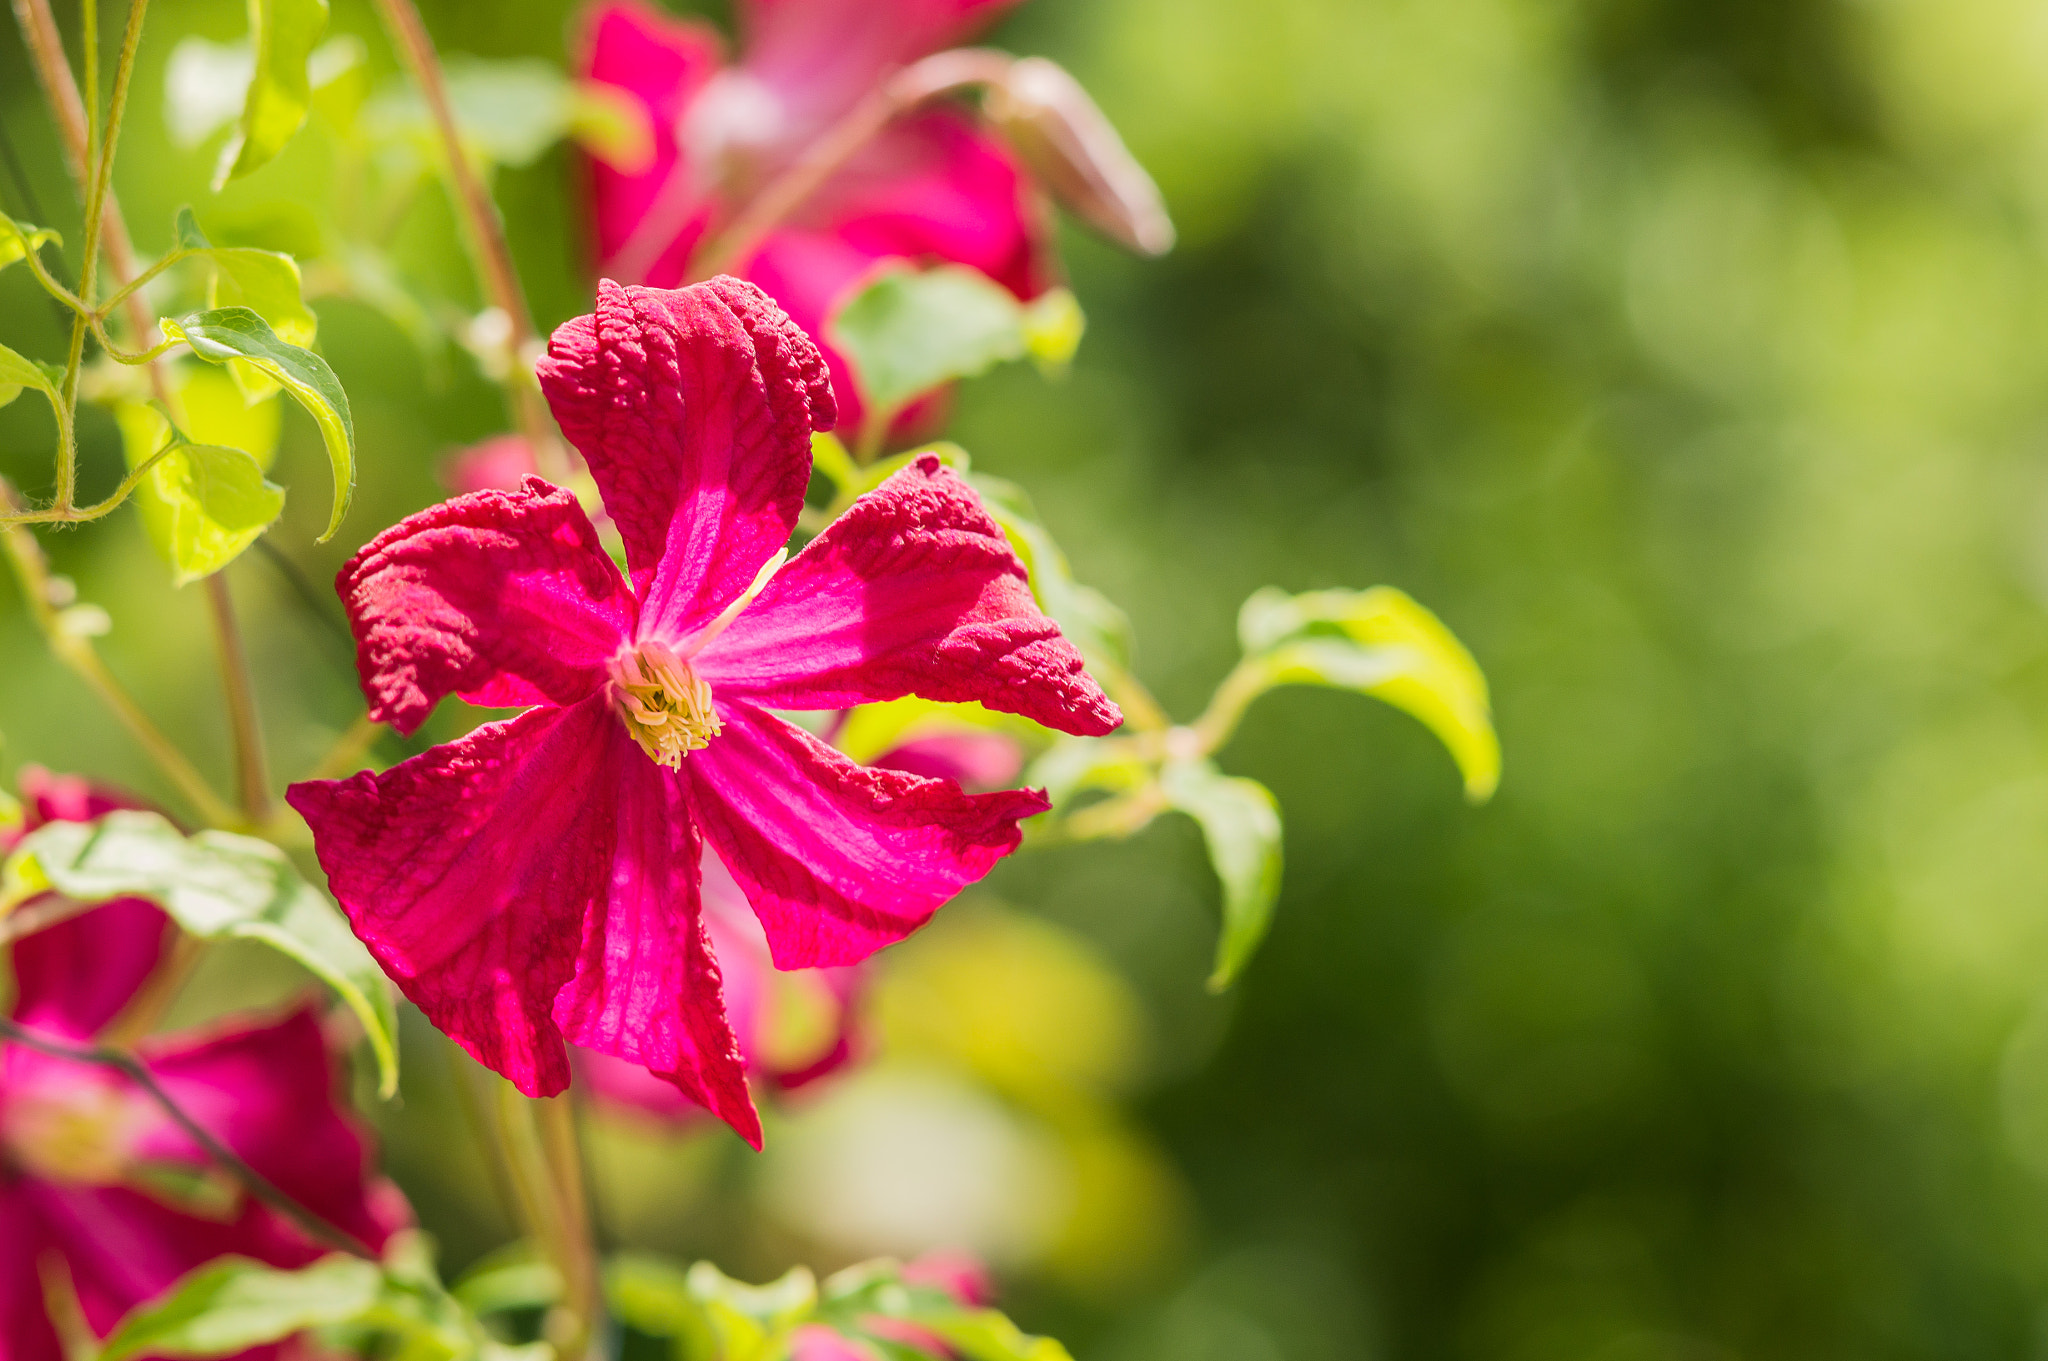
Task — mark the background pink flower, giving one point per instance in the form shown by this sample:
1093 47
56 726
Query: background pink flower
96 1178
934 186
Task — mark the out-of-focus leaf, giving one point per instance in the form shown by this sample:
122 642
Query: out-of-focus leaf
653 1297
1240 823
1053 326
1379 642
18 372
218 884
232 1304
908 331
1077 764
515 1279
236 333
1085 615
612 126
746 1320
17 239
283 34
507 112
988 1335
872 729
202 504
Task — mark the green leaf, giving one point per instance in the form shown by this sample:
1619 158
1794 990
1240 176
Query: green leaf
218 884
909 332
1379 642
1240 822
512 1279
1076 764
283 33
232 1304
204 505
236 333
653 1297
988 1335
1087 617
18 372
18 239
265 281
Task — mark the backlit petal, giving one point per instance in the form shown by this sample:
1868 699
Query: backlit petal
74 977
646 988
694 408
469 870
839 859
503 598
913 591
664 63
820 56
28 1335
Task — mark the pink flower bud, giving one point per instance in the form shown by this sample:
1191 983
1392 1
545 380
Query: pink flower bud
1060 133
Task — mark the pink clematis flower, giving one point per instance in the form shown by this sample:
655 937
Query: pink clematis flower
933 186
536 882
97 1184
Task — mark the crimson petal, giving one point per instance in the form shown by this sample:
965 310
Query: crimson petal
503 598
914 590
839 859
646 988
694 408
75 977
468 872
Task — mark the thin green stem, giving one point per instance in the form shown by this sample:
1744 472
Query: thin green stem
76 651
54 515
122 294
583 1298
1246 682
252 774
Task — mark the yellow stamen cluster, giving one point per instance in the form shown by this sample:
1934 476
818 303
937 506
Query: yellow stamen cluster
662 703
79 1136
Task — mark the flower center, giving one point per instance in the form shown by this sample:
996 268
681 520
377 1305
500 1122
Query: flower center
77 1133
662 703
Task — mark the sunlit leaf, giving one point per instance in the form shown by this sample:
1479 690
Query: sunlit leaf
653 1297
1381 643
236 333
988 1335
207 83
264 281
908 331
232 1304
282 35
17 239
1075 765
18 372
1240 823
202 504
514 1279
218 884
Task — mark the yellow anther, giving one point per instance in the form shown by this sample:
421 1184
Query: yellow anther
662 703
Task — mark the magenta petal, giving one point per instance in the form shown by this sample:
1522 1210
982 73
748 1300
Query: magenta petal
74 977
646 987
935 187
504 598
694 408
271 1093
820 56
913 591
839 859
664 63
469 869
27 1334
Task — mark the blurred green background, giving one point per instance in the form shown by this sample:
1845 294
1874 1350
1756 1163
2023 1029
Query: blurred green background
1688 359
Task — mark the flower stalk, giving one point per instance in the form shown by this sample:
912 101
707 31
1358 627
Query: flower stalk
484 232
252 775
